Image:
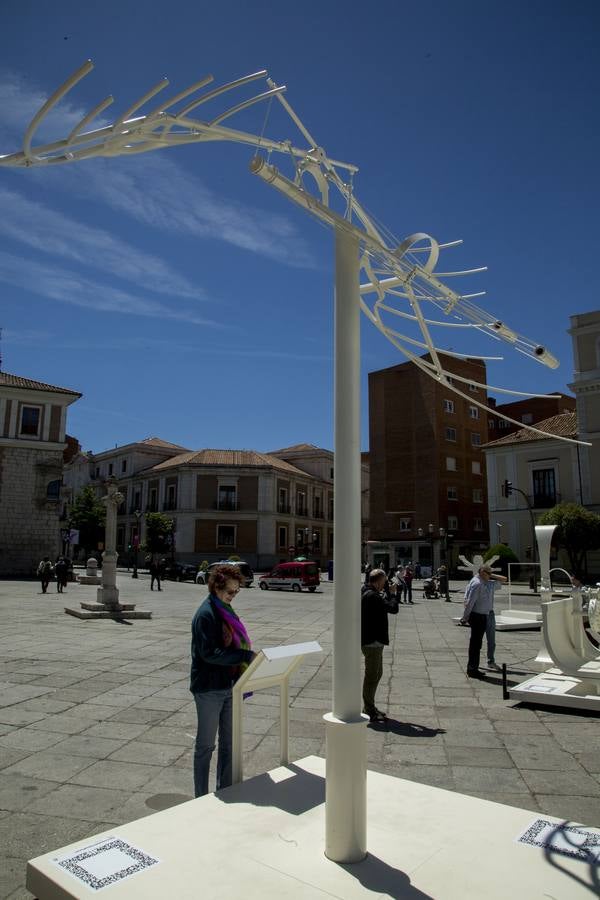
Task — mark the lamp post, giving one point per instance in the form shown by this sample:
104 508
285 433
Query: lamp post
138 516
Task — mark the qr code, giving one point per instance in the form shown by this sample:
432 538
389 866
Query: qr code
78 864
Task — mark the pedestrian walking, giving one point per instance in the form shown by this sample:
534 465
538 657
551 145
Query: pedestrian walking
417 570
61 570
407 580
44 573
155 573
479 602
378 598
442 576
221 650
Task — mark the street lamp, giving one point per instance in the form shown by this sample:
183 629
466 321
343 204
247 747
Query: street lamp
138 516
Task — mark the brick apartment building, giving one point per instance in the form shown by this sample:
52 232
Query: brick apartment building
426 465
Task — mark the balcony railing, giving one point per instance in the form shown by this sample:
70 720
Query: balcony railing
544 501
226 505
284 508
301 511
318 514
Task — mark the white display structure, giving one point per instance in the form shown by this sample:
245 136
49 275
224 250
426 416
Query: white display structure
271 667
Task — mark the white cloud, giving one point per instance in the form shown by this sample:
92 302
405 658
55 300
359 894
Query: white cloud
66 286
52 232
20 101
154 190
159 193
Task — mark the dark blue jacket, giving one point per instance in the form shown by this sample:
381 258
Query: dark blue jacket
212 662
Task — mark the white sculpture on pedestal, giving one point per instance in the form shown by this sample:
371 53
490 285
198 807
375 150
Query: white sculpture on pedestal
400 278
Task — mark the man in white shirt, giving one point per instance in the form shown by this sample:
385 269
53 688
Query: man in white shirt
479 602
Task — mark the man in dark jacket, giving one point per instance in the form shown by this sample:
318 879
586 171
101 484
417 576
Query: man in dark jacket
377 600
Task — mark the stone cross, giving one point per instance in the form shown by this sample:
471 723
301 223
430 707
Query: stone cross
109 592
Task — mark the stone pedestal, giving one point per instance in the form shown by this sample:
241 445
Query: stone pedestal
91 573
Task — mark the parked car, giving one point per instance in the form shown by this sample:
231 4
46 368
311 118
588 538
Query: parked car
292 576
202 576
181 571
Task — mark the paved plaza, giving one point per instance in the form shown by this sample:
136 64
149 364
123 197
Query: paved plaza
97 724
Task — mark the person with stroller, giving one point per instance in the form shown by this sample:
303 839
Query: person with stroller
378 598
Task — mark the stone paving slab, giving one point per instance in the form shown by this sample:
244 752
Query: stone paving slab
97 724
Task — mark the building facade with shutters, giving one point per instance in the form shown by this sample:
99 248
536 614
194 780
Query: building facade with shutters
32 440
257 506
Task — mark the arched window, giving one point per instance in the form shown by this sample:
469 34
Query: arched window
53 490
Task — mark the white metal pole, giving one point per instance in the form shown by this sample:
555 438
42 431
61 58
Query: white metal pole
346 807
237 738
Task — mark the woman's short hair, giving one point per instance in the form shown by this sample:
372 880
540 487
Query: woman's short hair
220 575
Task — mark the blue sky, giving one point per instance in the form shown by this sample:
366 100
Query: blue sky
186 299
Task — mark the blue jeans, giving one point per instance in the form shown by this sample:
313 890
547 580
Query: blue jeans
490 636
214 710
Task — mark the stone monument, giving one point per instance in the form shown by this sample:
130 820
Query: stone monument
107 605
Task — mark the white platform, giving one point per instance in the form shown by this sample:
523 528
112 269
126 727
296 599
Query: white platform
264 838
506 621
553 688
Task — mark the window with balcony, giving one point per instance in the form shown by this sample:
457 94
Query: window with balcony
301 505
282 537
544 487
30 421
110 469
451 463
449 406
451 434
283 505
123 465
171 497
477 495
227 497
473 412
317 511
452 492
153 500
226 535
330 511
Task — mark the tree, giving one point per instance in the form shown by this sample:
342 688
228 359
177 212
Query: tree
506 556
159 534
88 515
577 530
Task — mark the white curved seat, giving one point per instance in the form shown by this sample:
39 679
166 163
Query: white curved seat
566 640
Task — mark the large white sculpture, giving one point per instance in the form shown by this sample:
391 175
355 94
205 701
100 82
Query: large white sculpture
400 280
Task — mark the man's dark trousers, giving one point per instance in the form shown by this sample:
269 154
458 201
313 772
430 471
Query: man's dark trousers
477 621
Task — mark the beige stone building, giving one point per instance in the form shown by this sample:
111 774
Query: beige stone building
262 507
32 439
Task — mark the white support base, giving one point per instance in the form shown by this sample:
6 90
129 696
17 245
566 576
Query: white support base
553 688
346 831
421 842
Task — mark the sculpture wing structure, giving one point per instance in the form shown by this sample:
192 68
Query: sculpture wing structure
401 279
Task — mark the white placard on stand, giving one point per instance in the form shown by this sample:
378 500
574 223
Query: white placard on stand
272 667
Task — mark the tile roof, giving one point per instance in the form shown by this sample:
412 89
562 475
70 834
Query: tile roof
16 381
561 425
158 442
228 458
294 448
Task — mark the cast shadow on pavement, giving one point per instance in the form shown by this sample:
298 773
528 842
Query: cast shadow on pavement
406 729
